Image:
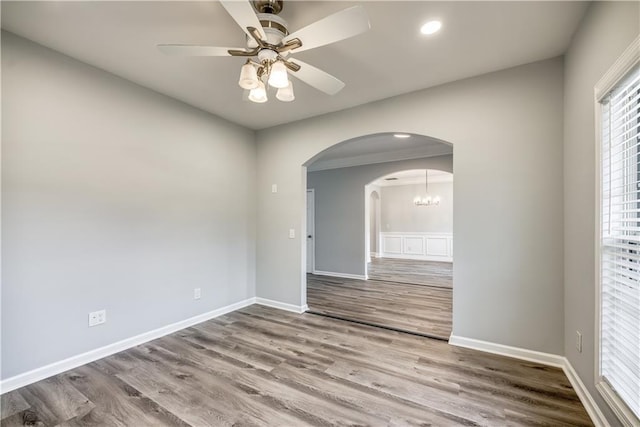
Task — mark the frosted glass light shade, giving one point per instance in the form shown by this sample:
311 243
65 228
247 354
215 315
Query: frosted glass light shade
248 77
258 94
285 94
278 75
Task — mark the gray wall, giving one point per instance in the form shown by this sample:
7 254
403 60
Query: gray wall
606 31
506 130
401 215
340 207
113 197
374 212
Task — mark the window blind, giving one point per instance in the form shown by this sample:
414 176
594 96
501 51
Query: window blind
620 241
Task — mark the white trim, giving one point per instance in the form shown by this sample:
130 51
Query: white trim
310 192
281 305
585 397
618 70
419 257
342 275
55 368
505 350
619 408
548 359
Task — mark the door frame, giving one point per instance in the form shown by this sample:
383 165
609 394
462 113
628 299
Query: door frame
311 219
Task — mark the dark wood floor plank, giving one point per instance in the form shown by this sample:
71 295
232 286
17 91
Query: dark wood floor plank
54 401
126 405
263 367
417 272
12 403
267 392
412 308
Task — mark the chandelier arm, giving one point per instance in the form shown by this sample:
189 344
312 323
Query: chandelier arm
426 181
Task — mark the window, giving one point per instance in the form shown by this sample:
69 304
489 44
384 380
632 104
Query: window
619 249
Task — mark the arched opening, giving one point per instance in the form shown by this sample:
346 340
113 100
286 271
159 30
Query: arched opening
349 223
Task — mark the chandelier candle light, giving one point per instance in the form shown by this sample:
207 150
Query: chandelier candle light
427 200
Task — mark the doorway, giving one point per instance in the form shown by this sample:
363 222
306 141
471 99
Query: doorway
311 256
406 265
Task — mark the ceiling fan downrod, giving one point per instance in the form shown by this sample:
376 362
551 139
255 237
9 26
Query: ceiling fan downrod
268 6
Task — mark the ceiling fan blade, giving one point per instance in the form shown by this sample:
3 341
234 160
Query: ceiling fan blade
242 12
317 78
195 50
333 28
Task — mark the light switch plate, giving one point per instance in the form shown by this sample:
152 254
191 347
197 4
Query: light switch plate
292 233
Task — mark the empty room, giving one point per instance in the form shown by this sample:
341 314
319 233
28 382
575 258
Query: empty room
199 224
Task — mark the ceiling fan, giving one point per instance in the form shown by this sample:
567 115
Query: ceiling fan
269 45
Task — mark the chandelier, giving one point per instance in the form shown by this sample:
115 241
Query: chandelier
269 72
427 200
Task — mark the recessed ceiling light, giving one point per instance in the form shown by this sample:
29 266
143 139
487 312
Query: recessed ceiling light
401 135
431 27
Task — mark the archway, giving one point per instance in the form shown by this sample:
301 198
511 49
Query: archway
344 221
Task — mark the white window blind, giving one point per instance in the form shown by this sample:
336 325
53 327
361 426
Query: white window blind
620 241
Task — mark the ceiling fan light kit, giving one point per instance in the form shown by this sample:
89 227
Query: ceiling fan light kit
285 94
268 41
248 76
278 75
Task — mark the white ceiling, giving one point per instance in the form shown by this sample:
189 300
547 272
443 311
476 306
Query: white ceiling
378 148
391 59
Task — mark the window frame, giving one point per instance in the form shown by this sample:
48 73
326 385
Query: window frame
629 59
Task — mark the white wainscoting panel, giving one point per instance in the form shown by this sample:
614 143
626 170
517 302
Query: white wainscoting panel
418 245
437 246
413 245
391 245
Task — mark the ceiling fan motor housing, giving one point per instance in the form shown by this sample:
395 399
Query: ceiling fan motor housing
274 27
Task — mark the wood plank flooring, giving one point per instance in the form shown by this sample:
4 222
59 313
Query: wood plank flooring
418 272
264 367
417 309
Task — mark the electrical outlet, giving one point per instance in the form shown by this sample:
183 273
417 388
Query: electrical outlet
292 233
97 317
197 293
274 188
579 341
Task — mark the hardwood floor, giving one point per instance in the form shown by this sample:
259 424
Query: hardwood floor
266 367
416 309
418 272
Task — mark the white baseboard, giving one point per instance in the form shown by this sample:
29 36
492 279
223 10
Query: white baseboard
435 258
548 359
55 368
590 405
281 305
342 275
505 350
